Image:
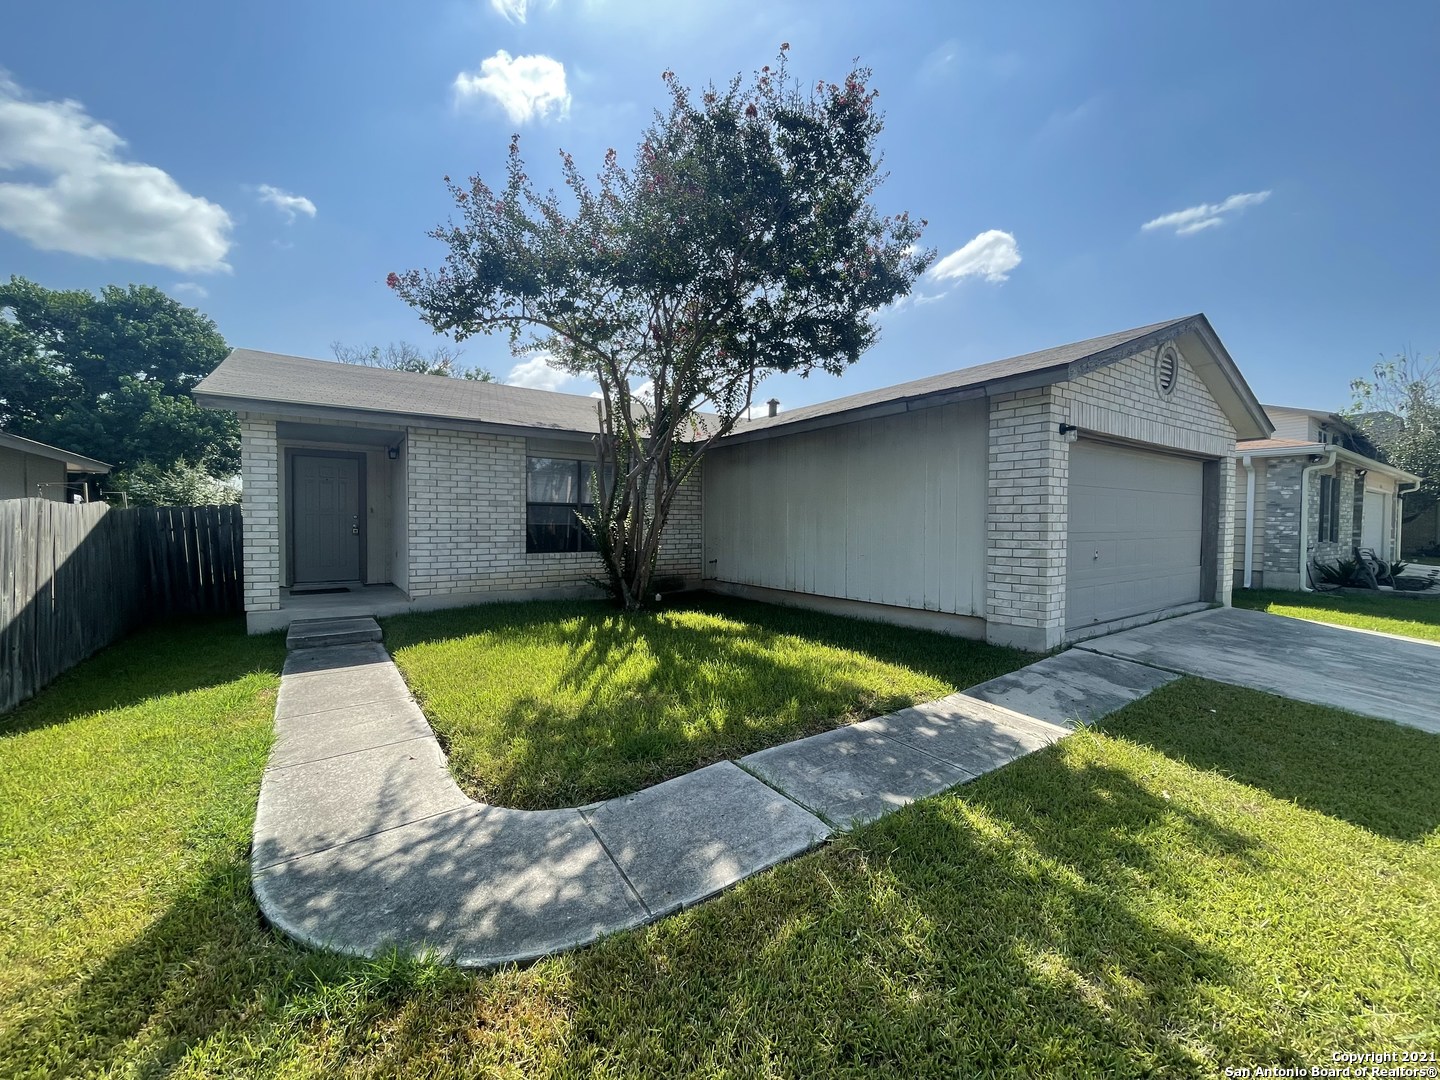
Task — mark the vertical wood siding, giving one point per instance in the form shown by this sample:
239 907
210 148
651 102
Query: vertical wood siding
888 511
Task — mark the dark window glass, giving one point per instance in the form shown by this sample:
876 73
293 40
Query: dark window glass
1329 509
557 492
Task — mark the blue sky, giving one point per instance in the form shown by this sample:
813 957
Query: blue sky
271 162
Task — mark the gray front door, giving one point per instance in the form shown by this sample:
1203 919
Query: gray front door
325 518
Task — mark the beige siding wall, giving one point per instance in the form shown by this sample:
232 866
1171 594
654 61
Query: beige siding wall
29 476
886 511
1294 425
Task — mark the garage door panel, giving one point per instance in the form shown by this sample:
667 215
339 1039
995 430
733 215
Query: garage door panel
1135 532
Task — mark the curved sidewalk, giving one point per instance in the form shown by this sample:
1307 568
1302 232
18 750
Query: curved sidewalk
364 841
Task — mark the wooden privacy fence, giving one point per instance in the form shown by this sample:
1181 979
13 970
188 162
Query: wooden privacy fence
74 578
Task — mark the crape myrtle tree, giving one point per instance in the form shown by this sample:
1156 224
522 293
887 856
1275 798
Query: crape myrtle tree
741 241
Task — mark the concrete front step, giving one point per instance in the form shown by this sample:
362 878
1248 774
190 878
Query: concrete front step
315 633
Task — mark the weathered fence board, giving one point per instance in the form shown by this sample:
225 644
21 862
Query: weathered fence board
75 578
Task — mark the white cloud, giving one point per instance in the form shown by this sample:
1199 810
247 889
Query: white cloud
288 204
1205 216
991 255
89 201
537 374
190 288
511 10
527 87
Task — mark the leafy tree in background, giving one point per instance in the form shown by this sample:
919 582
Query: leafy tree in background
742 241
1398 409
180 484
402 356
110 376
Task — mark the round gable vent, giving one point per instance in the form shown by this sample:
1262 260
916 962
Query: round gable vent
1167 371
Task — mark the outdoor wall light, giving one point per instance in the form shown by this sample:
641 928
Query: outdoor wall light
1066 429
392 452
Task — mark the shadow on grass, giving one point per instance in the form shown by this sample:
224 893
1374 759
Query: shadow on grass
209 969
746 678
958 661
1380 776
172 657
1017 926
1032 922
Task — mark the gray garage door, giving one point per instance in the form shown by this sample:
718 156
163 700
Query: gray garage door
1134 533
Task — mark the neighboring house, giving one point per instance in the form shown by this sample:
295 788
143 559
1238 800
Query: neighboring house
1027 501
1313 490
1421 536
34 470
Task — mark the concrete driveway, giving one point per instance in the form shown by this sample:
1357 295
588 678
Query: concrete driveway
1373 674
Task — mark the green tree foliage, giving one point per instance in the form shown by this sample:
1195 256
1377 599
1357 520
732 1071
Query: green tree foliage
1398 409
179 484
741 241
110 376
402 356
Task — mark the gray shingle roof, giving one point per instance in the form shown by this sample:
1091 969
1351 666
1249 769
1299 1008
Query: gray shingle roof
1057 359
263 379
273 378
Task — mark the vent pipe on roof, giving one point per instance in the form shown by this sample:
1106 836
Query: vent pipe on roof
774 404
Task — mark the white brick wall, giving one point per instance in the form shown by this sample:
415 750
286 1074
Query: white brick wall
1122 400
1026 520
260 507
466 524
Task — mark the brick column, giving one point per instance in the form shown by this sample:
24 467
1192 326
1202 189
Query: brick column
1026 521
260 504
1225 571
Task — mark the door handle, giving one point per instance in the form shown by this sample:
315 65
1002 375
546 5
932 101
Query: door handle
355 525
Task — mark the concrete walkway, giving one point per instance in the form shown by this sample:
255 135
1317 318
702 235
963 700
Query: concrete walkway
363 840
1380 675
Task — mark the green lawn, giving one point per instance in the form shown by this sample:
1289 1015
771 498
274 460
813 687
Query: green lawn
1217 877
1388 614
560 704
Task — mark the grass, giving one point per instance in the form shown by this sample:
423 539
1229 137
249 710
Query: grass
1214 877
560 704
1387 614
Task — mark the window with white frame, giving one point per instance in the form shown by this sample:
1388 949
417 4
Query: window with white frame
1329 509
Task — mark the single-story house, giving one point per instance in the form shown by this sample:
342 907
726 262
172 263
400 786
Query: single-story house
36 470
1028 501
1314 490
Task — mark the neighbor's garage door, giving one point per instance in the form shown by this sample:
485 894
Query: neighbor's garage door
1134 532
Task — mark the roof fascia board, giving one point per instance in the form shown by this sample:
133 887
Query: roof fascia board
282 410
73 462
1341 454
856 416
1231 371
